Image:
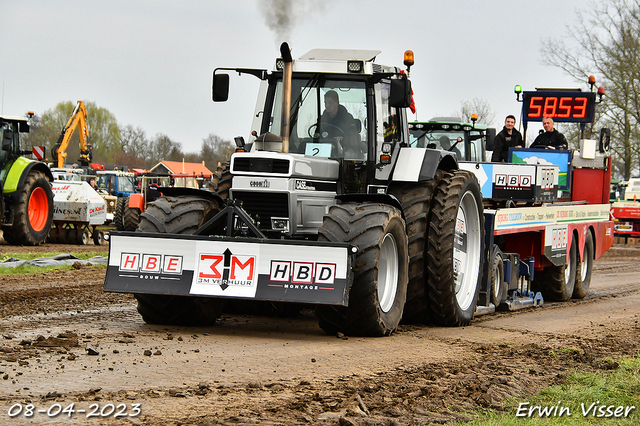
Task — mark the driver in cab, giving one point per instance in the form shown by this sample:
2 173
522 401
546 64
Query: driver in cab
339 124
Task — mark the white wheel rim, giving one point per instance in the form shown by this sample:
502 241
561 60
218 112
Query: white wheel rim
388 268
497 280
567 269
466 250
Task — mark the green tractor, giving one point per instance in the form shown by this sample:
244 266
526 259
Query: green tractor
26 205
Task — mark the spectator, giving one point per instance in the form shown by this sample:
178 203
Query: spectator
508 137
550 138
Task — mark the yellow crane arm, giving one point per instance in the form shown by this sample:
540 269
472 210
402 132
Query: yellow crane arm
78 119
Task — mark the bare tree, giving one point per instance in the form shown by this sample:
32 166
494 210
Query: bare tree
215 149
480 107
162 148
607 44
134 148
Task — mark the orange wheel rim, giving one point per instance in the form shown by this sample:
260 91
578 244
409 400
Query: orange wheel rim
38 209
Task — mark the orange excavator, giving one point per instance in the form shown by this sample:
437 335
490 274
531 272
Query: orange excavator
78 119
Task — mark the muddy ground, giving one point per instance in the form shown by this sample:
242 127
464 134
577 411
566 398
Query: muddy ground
64 341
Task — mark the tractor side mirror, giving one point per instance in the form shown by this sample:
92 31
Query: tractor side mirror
7 139
220 88
491 135
400 93
605 140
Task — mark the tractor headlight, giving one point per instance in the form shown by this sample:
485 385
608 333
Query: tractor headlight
280 224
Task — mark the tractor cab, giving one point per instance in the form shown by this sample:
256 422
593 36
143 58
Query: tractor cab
334 109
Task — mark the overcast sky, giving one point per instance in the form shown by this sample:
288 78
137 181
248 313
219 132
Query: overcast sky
150 62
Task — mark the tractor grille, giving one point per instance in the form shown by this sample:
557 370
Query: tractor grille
262 206
262 165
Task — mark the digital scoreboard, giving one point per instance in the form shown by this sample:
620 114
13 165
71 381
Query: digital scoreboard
562 106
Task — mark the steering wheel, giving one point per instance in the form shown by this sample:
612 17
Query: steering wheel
337 149
324 126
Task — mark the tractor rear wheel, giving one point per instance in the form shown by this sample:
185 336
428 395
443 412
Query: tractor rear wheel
178 215
557 282
584 269
455 249
130 218
416 205
33 212
118 220
379 290
221 181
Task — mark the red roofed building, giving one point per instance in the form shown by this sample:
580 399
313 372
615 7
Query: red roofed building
180 167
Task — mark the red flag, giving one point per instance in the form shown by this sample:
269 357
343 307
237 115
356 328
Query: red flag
412 106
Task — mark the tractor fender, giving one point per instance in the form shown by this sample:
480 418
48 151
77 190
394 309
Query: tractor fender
18 172
136 201
170 191
421 164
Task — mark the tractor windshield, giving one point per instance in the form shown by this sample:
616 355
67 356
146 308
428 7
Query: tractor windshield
126 184
439 138
327 117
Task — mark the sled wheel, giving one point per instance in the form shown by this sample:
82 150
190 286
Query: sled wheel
98 237
118 220
454 253
557 282
33 213
82 236
63 235
130 218
178 215
498 284
379 290
416 205
584 269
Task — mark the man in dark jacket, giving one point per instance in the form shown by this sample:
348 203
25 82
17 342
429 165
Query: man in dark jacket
551 138
338 123
509 137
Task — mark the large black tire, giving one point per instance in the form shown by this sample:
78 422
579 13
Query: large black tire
178 215
416 205
130 218
118 220
221 181
498 284
584 269
178 310
379 290
263 308
33 212
557 282
454 250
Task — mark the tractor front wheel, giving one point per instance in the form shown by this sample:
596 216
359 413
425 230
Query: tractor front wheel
379 290
178 215
33 212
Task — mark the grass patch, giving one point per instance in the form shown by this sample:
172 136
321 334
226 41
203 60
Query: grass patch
603 390
36 255
28 269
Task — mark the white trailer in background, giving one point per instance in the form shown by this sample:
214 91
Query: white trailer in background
77 212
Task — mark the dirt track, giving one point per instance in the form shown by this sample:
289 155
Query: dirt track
66 341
